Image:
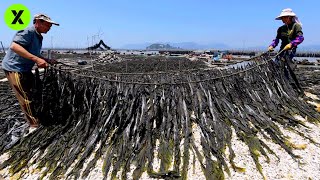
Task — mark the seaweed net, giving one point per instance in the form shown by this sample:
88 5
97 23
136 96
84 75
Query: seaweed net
131 119
12 124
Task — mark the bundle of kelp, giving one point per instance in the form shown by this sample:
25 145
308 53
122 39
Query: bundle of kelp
132 119
308 76
12 124
140 64
310 81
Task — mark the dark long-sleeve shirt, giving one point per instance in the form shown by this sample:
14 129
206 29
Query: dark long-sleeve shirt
291 33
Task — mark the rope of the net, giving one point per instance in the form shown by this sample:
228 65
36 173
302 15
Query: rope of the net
159 72
179 83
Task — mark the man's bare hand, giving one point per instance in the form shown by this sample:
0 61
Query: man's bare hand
41 63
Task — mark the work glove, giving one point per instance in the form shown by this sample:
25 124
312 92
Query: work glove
287 47
270 48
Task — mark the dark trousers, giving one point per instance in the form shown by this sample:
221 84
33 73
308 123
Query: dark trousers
285 61
22 85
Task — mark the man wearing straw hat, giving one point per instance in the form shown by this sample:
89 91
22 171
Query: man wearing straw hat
23 54
291 36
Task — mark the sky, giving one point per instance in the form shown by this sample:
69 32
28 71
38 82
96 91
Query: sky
236 23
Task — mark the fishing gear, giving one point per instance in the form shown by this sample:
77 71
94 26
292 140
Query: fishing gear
131 121
285 64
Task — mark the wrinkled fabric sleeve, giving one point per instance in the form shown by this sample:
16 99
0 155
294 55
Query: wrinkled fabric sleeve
23 38
299 39
275 42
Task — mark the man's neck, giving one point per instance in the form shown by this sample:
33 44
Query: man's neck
37 31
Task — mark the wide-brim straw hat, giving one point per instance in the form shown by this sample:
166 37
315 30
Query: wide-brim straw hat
286 12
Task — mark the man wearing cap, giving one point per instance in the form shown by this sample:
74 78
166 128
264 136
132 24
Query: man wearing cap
17 64
291 36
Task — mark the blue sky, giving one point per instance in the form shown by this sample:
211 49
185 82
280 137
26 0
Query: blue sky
237 23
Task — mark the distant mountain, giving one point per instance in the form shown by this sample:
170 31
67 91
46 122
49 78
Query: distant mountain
221 46
181 45
193 45
301 47
313 47
159 46
136 46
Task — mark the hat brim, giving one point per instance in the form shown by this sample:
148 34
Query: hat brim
48 20
52 22
279 17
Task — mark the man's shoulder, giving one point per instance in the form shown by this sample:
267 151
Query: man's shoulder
283 27
28 30
297 25
25 37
